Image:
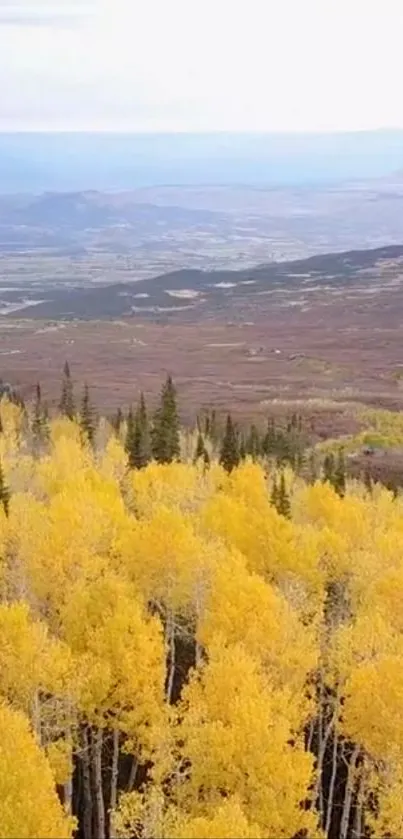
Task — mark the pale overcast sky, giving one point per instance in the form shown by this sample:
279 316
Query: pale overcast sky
201 65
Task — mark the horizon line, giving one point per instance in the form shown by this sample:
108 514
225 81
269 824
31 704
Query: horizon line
207 132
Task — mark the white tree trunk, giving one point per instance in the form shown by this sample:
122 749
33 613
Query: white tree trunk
98 787
348 797
171 654
86 768
114 779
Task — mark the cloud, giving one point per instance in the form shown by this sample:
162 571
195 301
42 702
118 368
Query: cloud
32 13
216 65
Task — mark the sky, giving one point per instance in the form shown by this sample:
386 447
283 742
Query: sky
201 65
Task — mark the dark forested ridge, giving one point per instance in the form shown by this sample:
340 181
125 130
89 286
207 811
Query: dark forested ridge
205 293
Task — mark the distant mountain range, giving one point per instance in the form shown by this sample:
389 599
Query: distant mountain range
36 162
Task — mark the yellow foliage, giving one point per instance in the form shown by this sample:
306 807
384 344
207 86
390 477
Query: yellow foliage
119 655
259 601
226 822
29 806
60 757
150 814
237 740
242 608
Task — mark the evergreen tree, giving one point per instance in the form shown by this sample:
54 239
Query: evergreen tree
368 480
242 447
142 443
66 405
87 417
229 455
270 439
211 429
142 414
40 422
138 444
328 468
312 468
201 452
200 449
339 478
4 491
117 420
299 462
283 501
253 443
130 439
274 493
165 432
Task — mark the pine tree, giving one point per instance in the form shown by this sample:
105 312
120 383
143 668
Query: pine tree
165 432
4 491
87 418
270 439
253 442
199 447
142 414
201 452
328 468
274 493
299 462
40 422
242 447
130 438
283 501
141 454
339 478
66 405
117 420
312 468
368 480
211 426
229 456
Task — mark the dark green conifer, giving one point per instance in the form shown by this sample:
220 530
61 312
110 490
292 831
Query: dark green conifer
117 420
4 491
270 439
299 462
312 468
253 442
368 480
165 432
211 429
339 478
66 405
138 444
130 445
40 423
242 446
283 501
229 455
87 418
200 448
328 468
274 493
142 441
201 452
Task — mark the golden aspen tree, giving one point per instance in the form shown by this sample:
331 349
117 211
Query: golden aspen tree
29 806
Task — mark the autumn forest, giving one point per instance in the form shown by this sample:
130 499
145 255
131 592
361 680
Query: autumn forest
201 631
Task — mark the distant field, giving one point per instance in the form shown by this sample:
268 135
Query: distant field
322 334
